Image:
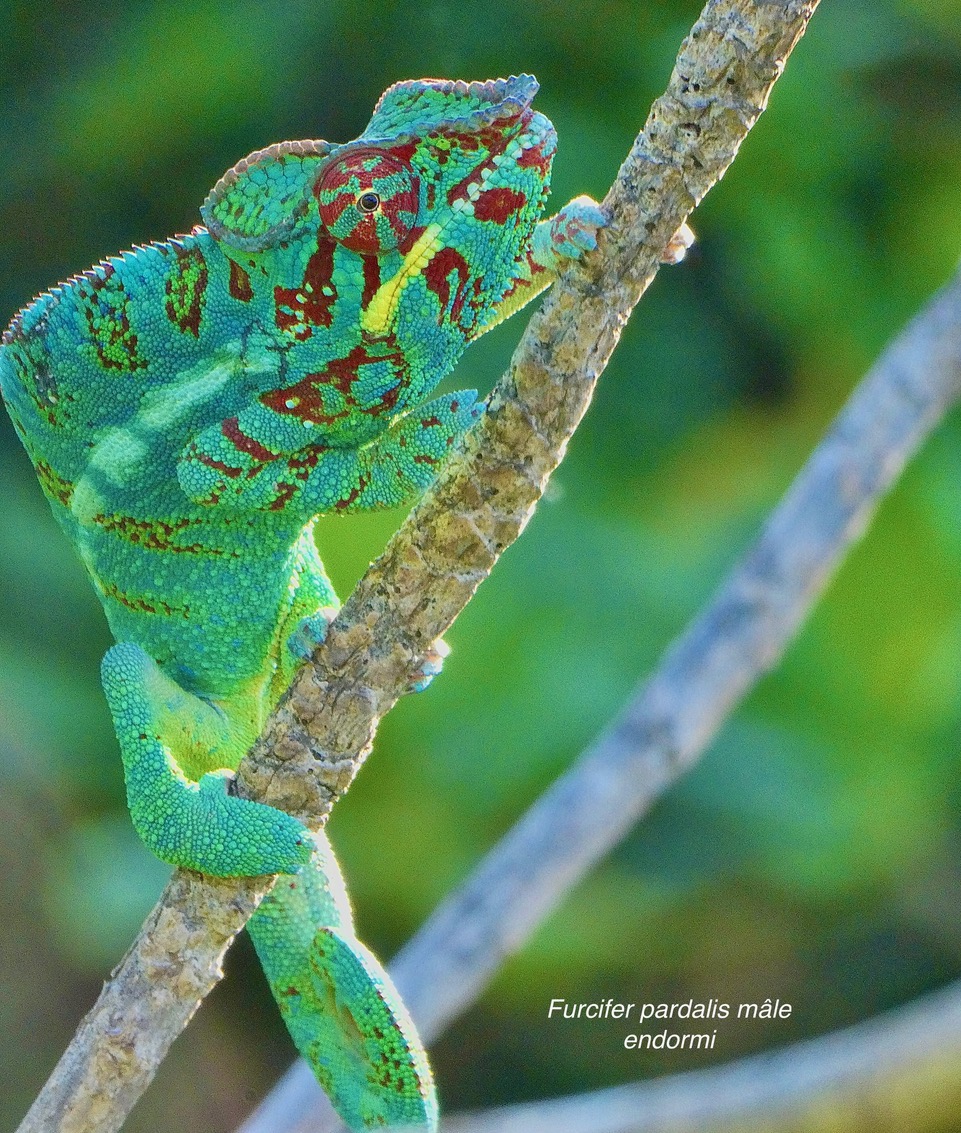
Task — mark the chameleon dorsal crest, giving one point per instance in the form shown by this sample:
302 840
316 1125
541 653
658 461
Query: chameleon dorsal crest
260 202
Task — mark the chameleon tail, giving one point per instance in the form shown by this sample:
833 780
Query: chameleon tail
340 1007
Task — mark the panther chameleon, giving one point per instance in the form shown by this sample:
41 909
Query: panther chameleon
191 407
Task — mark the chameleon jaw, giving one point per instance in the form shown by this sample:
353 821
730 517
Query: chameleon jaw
379 314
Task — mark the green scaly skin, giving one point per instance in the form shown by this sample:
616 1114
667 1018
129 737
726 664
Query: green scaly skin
191 406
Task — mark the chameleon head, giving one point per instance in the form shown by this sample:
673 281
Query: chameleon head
444 186
477 158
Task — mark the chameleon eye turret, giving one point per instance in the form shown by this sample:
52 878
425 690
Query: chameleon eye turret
369 202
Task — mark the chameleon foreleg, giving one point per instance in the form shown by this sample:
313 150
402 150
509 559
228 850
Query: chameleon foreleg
339 1004
389 470
193 824
403 460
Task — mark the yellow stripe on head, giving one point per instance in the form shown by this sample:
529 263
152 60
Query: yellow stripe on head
378 316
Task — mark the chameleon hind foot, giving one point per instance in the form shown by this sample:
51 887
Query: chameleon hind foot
198 825
430 667
310 632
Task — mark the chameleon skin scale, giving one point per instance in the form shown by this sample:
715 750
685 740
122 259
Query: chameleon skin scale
191 406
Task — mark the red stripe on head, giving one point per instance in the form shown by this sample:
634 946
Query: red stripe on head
498 205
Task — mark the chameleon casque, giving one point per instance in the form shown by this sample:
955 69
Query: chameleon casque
191 406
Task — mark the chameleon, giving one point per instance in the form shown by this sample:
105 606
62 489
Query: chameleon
191 406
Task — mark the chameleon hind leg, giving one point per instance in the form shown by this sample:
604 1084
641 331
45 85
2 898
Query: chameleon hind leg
193 824
339 1004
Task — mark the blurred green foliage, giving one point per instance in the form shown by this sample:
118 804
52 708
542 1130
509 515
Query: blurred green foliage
812 856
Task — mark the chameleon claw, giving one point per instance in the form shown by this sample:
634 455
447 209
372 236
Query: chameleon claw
310 632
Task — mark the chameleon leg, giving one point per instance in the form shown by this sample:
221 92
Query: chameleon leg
197 825
398 464
311 631
385 472
339 1005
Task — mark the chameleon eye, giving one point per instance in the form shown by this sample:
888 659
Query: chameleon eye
368 201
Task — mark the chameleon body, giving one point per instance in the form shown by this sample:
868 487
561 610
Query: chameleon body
191 406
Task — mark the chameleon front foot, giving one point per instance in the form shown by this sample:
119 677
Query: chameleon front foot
571 232
196 825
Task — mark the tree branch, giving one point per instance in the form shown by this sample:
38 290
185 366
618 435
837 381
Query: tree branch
673 716
318 738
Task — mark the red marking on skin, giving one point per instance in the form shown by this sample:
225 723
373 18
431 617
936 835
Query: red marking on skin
401 211
305 399
186 287
498 205
216 465
345 503
536 158
239 286
230 427
436 276
403 152
285 493
141 605
459 191
362 482
429 422
155 535
52 482
423 458
113 340
338 176
371 266
454 406
305 461
410 238
493 138
299 309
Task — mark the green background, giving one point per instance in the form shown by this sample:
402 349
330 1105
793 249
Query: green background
813 855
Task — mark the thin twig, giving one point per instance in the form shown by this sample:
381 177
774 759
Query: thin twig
320 735
673 716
